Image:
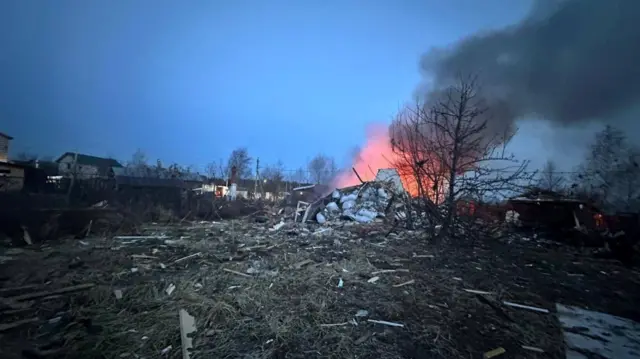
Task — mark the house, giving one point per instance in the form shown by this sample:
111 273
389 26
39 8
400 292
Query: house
4 147
11 174
86 166
11 177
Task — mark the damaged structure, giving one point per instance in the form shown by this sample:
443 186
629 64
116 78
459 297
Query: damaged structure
363 203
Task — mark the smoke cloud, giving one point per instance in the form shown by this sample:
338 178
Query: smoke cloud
569 62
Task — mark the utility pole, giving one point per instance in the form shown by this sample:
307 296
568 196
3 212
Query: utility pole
72 180
255 188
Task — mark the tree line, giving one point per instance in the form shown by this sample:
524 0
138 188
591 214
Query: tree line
321 169
609 174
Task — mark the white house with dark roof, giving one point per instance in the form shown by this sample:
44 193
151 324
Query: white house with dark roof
86 166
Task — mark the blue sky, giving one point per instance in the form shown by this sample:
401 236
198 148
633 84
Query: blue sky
189 81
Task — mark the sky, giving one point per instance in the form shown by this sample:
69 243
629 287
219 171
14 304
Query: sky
190 81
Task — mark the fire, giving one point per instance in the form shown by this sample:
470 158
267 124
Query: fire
377 153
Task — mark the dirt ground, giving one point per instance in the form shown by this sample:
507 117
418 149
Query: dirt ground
347 291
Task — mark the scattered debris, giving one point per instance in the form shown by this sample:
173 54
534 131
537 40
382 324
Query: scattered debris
521 306
532 349
302 263
390 271
384 322
294 269
335 324
187 328
236 272
477 291
26 236
404 283
187 257
494 353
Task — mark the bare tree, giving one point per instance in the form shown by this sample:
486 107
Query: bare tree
240 159
452 150
138 165
26 156
322 169
550 179
610 175
274 174
217 170
299 176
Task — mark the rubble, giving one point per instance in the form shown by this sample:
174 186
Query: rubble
342 288
364 203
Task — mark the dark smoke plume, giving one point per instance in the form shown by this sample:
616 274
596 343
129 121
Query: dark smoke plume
568 62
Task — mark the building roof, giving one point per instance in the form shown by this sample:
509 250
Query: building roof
13 164
6 136
88 160
302 188
105 165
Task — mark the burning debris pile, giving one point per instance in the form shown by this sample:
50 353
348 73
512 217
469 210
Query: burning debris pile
368 202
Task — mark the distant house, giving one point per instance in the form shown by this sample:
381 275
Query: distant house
86 166
4 147
11 174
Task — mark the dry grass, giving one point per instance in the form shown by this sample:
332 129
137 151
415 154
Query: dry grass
286 303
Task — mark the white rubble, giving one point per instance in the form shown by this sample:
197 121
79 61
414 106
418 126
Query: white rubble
362 204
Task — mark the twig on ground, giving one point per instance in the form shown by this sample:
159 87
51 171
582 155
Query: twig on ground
384 322
390 271
237 273
187 257
405 283
522 306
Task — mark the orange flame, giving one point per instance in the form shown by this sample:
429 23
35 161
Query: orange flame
377 153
